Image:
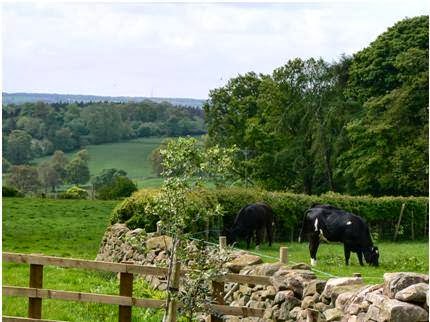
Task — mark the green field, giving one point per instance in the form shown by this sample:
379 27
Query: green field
74 228
67 228
394 257
131 156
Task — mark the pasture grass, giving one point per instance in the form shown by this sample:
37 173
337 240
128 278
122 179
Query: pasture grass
74 229
131 156
66 228
394 257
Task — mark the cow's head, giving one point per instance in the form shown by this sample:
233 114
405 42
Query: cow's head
232 234
372 256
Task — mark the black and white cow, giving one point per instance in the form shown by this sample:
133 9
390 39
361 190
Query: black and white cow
328 223
252 219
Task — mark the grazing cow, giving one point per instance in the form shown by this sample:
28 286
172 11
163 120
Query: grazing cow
325 222
253 218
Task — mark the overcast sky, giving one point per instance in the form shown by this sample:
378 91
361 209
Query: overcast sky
177 49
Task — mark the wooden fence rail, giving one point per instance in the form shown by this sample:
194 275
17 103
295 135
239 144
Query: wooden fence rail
35 292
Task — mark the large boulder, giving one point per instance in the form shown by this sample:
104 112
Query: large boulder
159 242
396 311
338 285
266 269
414 293
333 314
395 282
241 261
288 283
314 286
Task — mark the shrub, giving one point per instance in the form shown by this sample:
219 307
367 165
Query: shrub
120 187
380 213
74 193
11 192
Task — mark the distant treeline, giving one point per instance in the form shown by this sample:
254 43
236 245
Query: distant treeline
36 129
21 98
355 126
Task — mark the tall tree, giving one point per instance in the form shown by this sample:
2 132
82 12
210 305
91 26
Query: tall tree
19 147
389 144
25 178
48 176
77 170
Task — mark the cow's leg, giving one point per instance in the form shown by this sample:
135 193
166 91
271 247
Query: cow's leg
259 237
360 257
347 252
248 239
269 229
313 248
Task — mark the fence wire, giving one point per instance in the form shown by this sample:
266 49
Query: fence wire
268 256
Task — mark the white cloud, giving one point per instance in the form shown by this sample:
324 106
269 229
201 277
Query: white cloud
180 50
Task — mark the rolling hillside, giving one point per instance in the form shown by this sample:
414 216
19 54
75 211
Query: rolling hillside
131 156
19 98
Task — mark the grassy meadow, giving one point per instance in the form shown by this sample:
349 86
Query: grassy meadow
74 228
66 228
131 156
394 257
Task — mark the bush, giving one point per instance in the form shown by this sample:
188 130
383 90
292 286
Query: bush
74 193
380 213
121 187
11 192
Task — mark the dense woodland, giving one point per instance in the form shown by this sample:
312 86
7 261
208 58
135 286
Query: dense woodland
36 129
358 125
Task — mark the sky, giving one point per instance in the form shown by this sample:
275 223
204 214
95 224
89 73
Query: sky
177 49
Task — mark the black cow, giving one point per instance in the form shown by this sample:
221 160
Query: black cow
253 218
325 222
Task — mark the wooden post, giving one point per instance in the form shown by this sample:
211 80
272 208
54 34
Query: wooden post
207 229
222 242
399 221
218 296
171 310
283 255
125 289
36 281
158 228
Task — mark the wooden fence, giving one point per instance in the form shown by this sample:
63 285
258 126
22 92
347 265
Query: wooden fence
125 300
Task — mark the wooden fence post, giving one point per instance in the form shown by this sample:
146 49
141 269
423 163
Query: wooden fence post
399 221
222 242
125 289
158 228
283 255
171 310
36 281
218 296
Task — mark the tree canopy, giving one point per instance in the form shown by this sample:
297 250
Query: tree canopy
358 125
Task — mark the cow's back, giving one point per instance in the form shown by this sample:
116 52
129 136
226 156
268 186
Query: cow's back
347 228
254 216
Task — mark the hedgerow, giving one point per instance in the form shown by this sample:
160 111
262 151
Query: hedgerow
380 213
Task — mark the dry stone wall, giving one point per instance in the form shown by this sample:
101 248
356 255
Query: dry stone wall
296 294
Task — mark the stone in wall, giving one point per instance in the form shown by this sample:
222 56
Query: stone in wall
416 293
395 282
242 261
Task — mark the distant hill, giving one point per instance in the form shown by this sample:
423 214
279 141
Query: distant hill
19 98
